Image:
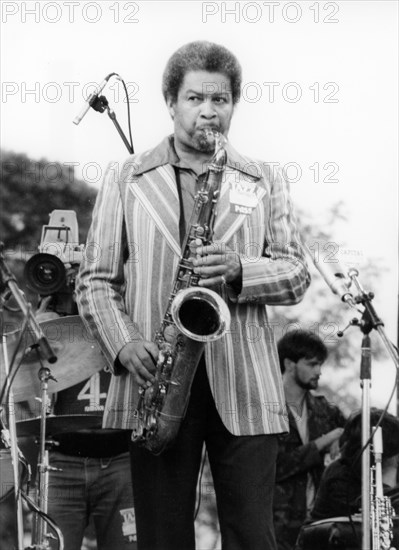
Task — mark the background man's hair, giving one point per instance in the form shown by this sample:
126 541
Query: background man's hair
200 56
300 344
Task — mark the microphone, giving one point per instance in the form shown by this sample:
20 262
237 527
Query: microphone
90 100
332 271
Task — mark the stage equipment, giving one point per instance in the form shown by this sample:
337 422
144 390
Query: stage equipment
339 533
8 286
367 323
340 282
53 271
79 357
99 103
324 258
90 101
346 533
382 512
58 424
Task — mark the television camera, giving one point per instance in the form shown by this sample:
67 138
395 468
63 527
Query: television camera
53 271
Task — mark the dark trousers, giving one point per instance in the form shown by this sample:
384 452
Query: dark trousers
243 469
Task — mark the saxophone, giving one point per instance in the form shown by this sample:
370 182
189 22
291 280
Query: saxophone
194 316
381 509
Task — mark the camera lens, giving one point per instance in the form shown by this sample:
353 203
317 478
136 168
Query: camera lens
45 274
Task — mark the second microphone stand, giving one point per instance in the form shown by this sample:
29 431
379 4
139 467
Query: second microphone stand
369 321
9 286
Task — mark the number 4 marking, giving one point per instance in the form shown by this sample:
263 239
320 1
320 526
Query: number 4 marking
91 393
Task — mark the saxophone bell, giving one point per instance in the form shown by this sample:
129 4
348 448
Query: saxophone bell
200 314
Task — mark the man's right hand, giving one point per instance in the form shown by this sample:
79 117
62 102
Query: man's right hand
140 358
328 439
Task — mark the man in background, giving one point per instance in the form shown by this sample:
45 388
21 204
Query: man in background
315 428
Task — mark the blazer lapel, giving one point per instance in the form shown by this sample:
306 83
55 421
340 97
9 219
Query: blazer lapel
157 193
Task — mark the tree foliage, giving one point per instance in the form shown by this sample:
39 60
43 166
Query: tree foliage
31 190
325 314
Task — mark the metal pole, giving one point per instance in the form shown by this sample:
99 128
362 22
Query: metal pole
13 447
365 377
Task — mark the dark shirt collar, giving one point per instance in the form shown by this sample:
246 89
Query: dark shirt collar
165 153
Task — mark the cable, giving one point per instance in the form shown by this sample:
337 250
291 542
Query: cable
128 113
46 518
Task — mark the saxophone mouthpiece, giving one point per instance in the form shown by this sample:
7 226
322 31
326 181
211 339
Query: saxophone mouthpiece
210 135
213 135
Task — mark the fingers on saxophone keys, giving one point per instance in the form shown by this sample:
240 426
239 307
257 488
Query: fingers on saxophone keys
143 374
211 271
142 383
214 249
214 280
194 246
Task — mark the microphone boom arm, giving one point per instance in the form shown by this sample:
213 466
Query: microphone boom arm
100 104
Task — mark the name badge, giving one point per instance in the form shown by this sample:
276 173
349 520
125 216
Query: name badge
243 197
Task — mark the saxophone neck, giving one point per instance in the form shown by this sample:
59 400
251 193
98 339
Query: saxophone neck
219 158
220 142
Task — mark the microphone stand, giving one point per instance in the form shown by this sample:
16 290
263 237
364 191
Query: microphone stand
40 535
99 104
9 286
10 438
367 323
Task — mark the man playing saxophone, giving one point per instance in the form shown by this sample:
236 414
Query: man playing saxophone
133 253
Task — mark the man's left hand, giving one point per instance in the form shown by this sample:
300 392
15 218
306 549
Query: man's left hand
216 264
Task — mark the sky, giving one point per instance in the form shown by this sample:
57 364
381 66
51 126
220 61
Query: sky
319 99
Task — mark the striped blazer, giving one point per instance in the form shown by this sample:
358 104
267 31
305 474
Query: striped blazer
130 260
